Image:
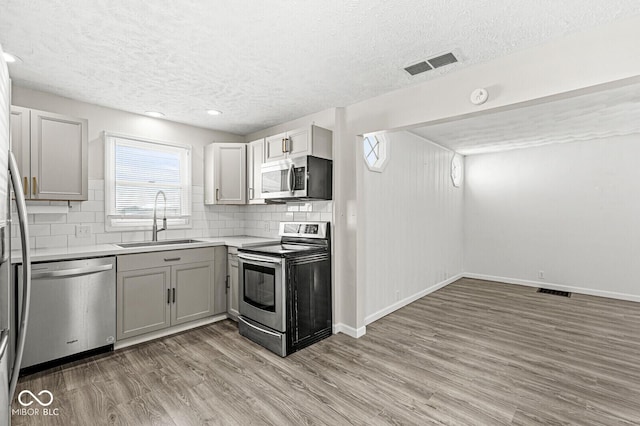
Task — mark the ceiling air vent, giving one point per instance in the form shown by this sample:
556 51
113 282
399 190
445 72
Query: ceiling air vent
429 64
442 60
418 68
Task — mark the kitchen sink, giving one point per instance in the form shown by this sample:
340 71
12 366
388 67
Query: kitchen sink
157 243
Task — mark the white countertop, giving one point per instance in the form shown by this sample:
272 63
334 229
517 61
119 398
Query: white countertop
80 252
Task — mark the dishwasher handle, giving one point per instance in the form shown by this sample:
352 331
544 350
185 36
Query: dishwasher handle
73 272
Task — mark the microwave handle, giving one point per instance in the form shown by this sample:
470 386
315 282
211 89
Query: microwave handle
290 184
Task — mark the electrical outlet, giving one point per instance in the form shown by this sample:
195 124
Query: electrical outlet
541 275
83 230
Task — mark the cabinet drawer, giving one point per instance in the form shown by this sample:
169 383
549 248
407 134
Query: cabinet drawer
130 262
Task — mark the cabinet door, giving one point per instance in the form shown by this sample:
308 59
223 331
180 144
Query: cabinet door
192 294
233 293
255 158
274 148
299 142
143 301
59 156
230 173
21 144
220 280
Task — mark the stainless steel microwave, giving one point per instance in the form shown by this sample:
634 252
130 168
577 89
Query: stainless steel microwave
300 178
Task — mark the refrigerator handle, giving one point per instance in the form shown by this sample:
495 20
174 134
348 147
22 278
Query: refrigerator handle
26 272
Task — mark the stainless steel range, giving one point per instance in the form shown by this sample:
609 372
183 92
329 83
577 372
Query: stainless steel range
285 288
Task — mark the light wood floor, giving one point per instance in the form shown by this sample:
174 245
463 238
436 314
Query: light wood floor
474 352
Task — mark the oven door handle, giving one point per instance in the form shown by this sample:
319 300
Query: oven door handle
261 330
256 258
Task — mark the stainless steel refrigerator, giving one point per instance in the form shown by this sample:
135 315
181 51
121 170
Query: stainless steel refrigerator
11 341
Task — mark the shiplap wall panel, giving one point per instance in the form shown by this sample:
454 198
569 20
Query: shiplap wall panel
413 223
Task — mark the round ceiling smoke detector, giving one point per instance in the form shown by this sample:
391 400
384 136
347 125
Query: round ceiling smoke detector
479 96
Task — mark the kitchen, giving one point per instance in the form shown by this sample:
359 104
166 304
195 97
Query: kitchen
354 279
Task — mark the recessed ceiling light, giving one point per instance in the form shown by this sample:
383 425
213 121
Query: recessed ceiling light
213 112
155 114
10 59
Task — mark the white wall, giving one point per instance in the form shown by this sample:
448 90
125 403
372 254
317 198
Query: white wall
559 67
562 66
112 120
413 225
571 210
59 230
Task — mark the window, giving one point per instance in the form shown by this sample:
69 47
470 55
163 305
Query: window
375 152
135 170
456 170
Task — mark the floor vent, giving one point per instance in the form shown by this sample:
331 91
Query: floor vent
554 292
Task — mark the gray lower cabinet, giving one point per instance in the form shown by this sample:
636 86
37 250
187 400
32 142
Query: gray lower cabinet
162 289
232 284
192 292
143 302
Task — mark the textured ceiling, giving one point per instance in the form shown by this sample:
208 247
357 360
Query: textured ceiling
267 61
607 113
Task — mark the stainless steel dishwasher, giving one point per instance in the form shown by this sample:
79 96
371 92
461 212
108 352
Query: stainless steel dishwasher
73 308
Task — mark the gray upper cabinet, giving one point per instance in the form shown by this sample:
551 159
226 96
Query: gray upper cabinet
52 153
225 173
255 158
312 140
275 147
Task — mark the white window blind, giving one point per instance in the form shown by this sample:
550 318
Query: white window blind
135 171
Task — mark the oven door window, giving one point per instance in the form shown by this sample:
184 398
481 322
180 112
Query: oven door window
260 287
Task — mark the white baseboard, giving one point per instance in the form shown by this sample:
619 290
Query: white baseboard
404 302
554 286
349 331
167 331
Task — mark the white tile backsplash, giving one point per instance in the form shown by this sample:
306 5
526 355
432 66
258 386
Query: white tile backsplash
259 220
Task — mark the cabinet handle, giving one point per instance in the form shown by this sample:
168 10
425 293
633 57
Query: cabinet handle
283 150
174 295
251 193
26 186
217 194
226 282
171 259
34 187
168 296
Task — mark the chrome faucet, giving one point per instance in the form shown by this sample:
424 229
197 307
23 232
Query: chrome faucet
155 230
